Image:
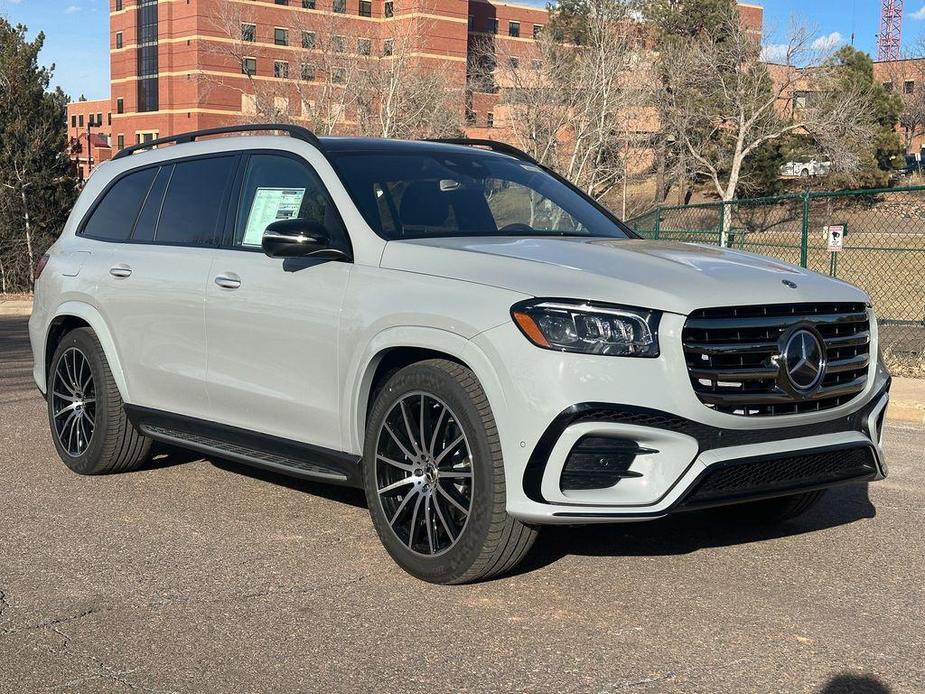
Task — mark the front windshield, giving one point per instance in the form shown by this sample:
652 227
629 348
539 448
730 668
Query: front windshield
431 194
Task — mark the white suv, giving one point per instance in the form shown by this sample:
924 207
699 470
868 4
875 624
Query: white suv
452 327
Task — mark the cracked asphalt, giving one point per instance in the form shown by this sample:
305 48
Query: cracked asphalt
196 575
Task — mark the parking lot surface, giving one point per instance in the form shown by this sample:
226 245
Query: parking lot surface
196 575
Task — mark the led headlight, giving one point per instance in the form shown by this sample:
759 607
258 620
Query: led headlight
580 326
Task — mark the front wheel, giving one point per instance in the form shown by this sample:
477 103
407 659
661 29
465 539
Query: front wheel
434 477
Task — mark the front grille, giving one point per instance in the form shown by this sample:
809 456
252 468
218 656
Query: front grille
793 472
732 356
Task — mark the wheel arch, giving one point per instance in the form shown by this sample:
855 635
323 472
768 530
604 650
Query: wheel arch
77 314
396 348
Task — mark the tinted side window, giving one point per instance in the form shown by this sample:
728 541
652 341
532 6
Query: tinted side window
279 187
151 209
114 215
194 200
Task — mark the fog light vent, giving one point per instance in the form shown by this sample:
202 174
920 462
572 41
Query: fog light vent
598 462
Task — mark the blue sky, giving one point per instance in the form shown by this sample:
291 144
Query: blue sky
77 31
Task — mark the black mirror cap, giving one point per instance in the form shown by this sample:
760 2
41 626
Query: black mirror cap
297 238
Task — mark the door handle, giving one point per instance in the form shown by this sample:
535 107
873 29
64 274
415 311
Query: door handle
228 281
120 270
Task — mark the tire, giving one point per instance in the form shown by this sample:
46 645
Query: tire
804 173
771 511
94 437
439 402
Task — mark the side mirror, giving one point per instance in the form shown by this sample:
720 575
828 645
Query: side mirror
296 238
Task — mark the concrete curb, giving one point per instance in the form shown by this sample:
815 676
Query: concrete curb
907 398
907 402
16 307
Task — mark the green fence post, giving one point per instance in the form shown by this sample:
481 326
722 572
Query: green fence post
658 221
804 240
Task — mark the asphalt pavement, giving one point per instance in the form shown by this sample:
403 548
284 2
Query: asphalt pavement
196 575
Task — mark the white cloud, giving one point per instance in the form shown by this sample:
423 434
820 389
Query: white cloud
71 9
918 14
774 53
827 43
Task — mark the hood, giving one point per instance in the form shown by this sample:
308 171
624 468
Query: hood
668 276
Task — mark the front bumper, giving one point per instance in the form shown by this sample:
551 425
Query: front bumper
686 444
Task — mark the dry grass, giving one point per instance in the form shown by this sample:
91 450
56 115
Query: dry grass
15 297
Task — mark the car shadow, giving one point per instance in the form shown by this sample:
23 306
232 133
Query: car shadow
684 533
850 683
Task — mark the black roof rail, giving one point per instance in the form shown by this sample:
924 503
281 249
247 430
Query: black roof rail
296 131
493 145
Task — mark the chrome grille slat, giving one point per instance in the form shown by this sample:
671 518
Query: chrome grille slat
732 355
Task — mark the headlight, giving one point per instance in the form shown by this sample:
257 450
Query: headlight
580 326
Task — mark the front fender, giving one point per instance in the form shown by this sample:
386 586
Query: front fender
365 363
93 318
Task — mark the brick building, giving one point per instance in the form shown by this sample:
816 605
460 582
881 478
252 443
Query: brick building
180 65
89 121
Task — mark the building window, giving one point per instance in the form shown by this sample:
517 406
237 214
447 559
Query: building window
339 43
109 118
366 8
339 75
340 6
389 9
80 120
73 121
121 141
99 120
909 87
471 116
514 62
513 29
308 4
492 25
364 46
249 32
282 2
888 86
120 105
536 64
490 119
308 39
537 30
147 32
388 47
281 69
118 39
280 37
118 5
308 72
249 66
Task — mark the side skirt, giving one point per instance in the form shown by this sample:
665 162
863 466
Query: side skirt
280 455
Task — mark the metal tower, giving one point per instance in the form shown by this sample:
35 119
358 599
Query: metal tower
889 42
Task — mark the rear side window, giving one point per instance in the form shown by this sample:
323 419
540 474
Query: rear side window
113 217
151 209
194 201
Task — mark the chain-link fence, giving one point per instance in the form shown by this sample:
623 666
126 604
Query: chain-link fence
881 250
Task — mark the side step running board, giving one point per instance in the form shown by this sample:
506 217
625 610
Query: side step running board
258 450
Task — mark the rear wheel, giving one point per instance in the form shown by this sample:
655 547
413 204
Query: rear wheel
434 477
89 427
770 511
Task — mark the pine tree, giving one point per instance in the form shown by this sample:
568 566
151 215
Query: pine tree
37 182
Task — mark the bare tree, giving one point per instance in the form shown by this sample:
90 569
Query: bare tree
581 109
907 78
722 103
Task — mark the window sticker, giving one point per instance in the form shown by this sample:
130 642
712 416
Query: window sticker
270 205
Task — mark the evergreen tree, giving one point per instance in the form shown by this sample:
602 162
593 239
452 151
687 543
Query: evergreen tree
37 182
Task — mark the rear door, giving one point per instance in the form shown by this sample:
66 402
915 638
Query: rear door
272 324
154 291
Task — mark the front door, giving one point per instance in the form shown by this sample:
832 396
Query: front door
272 324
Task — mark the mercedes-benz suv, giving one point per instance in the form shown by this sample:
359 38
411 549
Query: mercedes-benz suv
451 326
